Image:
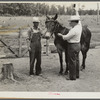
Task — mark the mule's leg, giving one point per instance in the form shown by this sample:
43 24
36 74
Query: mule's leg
66 60
61 61
84 54
84 50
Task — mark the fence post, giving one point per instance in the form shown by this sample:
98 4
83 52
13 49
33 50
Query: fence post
47 47
20 43
97 13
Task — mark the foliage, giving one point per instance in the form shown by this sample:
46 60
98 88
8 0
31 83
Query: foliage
38 9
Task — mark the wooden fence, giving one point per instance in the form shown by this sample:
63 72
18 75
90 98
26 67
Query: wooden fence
22 49
22 52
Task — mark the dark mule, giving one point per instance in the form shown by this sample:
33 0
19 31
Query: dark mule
54 27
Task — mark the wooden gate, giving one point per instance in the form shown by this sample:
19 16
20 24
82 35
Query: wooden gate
20 47
20 53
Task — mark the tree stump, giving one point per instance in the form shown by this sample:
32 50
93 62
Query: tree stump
8 72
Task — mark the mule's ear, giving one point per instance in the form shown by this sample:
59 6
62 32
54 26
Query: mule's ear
55 17
47 17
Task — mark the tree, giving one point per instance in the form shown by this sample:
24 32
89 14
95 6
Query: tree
53 10
61 10
37 9
68 11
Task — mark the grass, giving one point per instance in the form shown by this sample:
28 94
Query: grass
11 25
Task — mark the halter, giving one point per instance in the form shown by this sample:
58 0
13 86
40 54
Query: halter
56 25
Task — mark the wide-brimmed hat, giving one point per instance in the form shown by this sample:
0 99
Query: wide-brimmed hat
36 19
74 18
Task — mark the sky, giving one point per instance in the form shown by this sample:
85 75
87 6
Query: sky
87 5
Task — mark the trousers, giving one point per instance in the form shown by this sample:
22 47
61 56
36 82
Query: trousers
35 55
73 60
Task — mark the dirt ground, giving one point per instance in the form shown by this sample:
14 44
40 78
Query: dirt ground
50 80
89 80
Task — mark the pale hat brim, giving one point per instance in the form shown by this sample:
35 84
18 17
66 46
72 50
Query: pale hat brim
36 19
74 18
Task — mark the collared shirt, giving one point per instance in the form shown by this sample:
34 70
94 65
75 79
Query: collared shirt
32 31
34 34
74 34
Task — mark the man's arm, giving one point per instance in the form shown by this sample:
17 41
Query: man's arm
42 32
70 34
29 34
28 39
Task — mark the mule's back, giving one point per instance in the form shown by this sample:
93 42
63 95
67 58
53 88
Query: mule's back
85 41
86 36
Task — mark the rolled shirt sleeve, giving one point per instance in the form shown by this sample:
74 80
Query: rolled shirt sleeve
29 34
70 34
74 34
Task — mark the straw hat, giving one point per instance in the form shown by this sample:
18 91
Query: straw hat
36 19
74 18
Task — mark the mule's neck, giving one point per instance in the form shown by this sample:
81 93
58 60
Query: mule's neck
58 28
61 29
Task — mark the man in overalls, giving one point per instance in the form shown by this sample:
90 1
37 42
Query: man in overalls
35 47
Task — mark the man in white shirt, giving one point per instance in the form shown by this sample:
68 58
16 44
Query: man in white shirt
73 38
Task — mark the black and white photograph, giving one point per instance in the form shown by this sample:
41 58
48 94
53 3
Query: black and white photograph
50 46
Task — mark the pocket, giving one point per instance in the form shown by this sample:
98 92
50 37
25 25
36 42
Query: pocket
77 48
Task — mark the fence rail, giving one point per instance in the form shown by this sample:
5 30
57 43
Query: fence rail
22 45
18 43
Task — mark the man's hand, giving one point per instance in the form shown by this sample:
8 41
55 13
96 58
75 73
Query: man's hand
28 39
29 49
59 34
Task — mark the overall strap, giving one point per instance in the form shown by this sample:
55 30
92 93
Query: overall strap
32 32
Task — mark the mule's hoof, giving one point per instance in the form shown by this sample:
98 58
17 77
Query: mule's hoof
60 74
82 69
66 73
40 75
77 76
67 78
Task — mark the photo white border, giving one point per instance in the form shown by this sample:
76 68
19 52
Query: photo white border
49 95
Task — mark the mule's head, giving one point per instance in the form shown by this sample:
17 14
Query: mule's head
51 23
